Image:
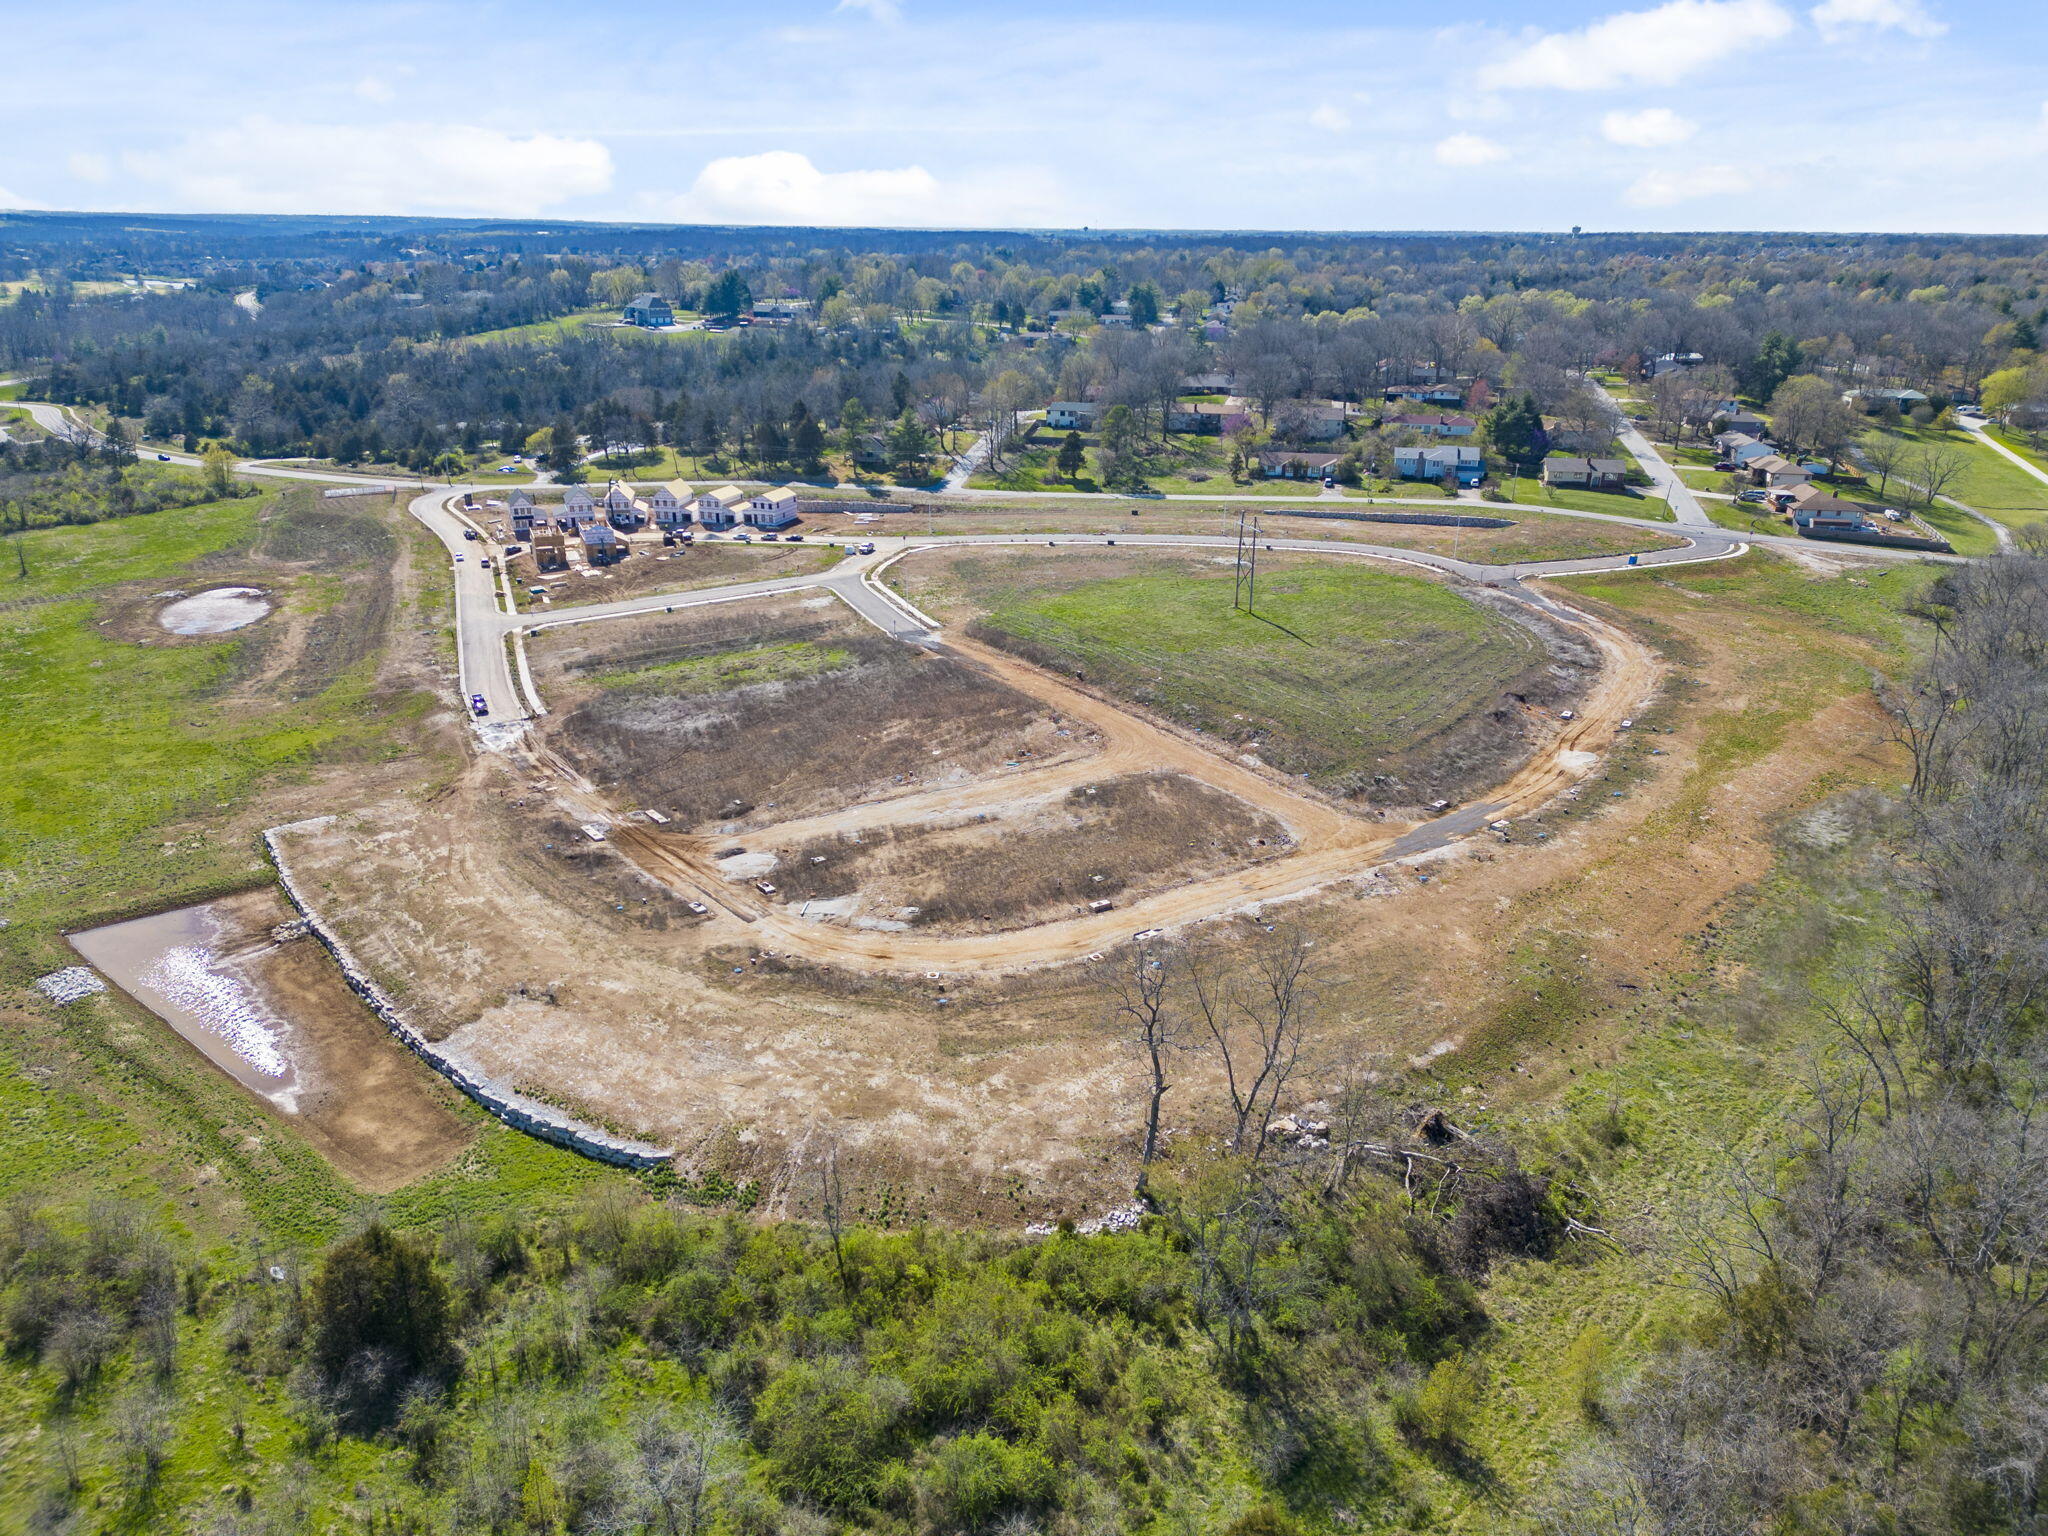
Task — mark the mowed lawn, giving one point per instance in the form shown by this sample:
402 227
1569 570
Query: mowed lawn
1530 491
1341 669
1993 485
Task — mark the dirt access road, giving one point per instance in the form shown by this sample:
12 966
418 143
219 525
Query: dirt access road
1330 844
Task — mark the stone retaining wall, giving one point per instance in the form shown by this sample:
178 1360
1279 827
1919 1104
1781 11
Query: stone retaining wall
515 1109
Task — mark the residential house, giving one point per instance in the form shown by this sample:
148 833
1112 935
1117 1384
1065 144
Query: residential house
1205 418
578 507
1870 401
1435 425
601 543
1740 448
1467 466
871 451
1209 383
1309 421
1589 441
1587 474
1071 416
1117 319
519 507
719 508
771 509
1427 394
1673 362
1746 422
782 311
649 309
670 504
623 508
1803 499
1778 472
1291 464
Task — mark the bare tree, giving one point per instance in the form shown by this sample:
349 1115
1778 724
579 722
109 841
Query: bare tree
1152 1025
1886 453
1937 467
1257 1015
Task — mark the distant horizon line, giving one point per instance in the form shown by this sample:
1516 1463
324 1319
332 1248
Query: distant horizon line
1033 231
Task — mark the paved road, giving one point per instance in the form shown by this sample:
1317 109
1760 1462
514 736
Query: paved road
1685 506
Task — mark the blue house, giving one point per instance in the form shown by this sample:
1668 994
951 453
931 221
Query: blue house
1466 466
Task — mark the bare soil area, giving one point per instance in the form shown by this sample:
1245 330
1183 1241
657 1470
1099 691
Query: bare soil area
742 715
1038 855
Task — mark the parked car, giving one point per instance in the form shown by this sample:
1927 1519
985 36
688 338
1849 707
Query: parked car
867 548
165 457
1724 466
477 706
795 538
697 907
485 562
1329 484
764 887
771 538
1751 496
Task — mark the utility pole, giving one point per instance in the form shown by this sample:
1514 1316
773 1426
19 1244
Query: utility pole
1251 590
1237 589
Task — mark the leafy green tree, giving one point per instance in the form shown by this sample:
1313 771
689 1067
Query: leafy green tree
1144 300
218 465
854 423
564 452
379 1292
910 442
1072 456
1777 359
1515 428
728 295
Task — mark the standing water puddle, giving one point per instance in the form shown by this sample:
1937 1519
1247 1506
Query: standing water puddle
177 965
215 612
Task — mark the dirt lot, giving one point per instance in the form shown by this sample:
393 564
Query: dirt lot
746 714
992 1092
652 569
1026 859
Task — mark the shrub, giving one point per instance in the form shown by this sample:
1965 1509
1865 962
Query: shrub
381 1313
824 1426
1438 1413
1585 1372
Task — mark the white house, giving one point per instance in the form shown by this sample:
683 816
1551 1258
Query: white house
715 508
670 503
1070 415
578 507
771 509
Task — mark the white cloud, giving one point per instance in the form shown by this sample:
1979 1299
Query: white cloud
1468 149
16 201
1330 116
887 11
89 166
1840 18
376 88
262 165
1660 189
780 186
1658 47
1651 128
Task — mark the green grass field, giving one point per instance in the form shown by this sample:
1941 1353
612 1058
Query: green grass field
1632 503
1341 668
1993 485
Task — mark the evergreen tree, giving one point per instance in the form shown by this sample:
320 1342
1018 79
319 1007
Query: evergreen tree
1515 428
1144 305
379 1292
910 442
807 442
1777 359
1072 456
728 295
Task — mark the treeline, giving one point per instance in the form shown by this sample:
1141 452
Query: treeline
1239 1356
282 362
59 481
1876 1340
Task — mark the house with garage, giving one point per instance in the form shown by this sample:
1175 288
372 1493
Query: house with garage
1071 416
1585 474
1746 422
1436 424
519 510
1454 463
650 310
770 509
1870 401
719 508
601 543
669 504
623 508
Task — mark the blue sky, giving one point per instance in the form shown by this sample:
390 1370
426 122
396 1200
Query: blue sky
1686 114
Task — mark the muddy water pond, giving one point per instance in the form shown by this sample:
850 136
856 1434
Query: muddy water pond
266 1004
192 970
216 612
